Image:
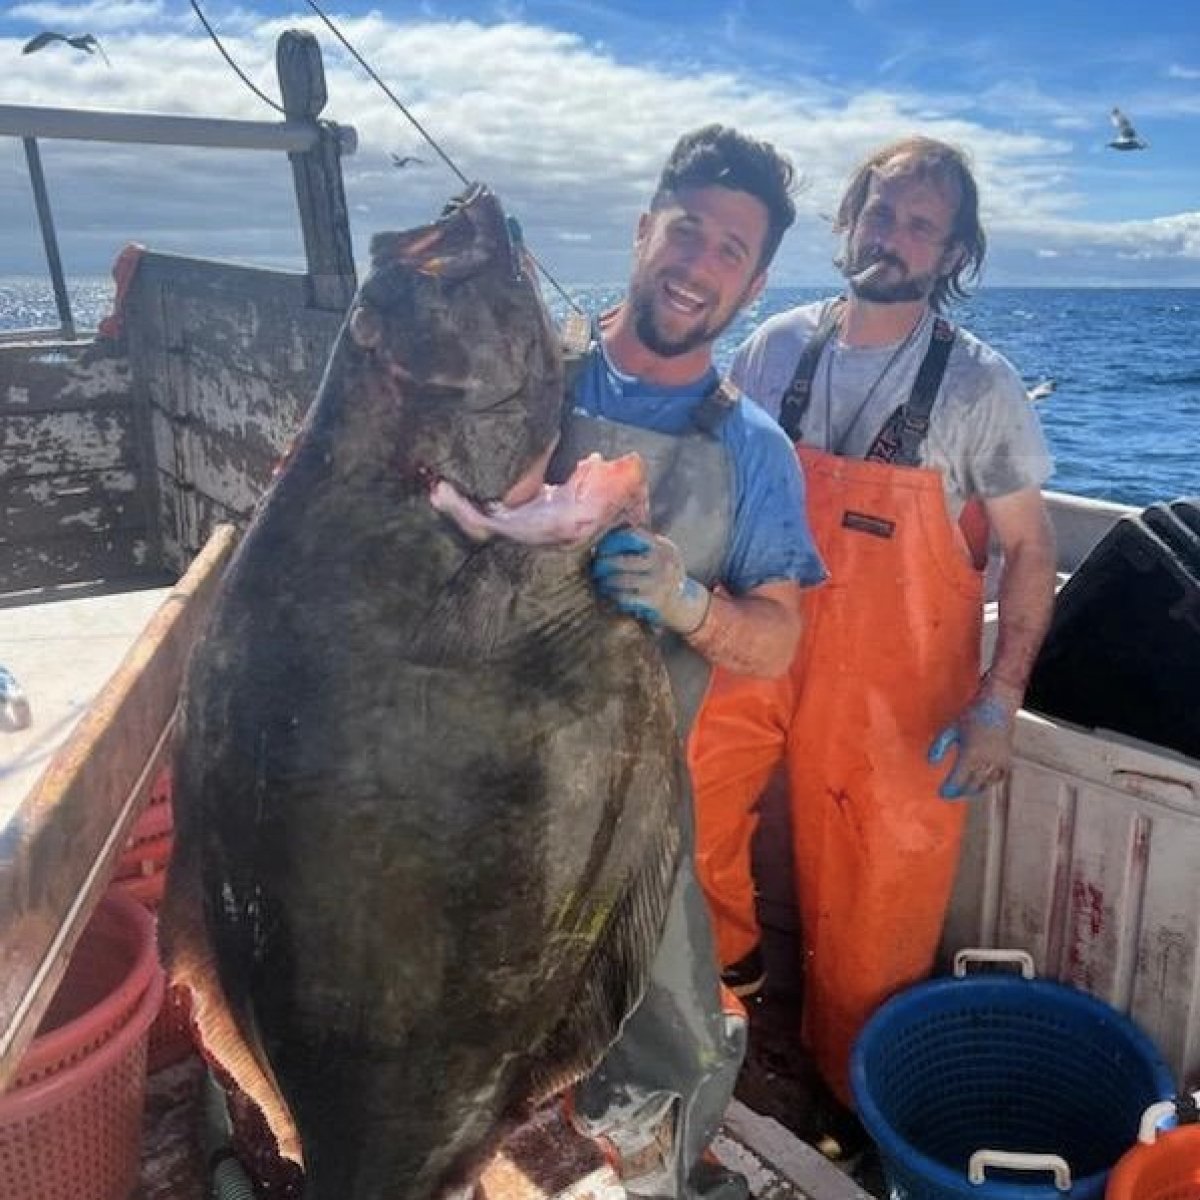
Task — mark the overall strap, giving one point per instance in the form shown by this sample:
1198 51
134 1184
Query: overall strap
899 441
795 402
580 339
715 406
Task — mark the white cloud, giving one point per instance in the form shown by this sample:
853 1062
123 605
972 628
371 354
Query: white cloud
569 135
1176 71
1163 250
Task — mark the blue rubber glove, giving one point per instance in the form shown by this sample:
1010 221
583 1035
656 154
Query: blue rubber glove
983 734
643 575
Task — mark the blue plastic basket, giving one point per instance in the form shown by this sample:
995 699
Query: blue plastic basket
1006 1065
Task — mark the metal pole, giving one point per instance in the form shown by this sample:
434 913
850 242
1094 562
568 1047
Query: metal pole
46 220
158 129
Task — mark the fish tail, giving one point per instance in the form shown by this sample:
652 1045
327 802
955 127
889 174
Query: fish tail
232 1046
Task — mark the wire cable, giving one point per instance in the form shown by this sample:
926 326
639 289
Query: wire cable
212 33
362 62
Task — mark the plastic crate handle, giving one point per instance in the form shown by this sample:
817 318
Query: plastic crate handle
1014 1160
1153 1117
1019 958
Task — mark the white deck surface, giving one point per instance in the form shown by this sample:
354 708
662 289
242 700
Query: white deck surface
62 652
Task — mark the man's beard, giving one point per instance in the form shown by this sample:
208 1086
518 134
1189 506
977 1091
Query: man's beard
657 341
898 291
882 290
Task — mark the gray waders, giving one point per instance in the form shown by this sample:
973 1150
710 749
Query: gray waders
659 1094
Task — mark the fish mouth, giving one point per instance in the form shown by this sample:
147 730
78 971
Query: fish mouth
472 235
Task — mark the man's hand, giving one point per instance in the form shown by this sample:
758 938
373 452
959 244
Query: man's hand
984 736
644 576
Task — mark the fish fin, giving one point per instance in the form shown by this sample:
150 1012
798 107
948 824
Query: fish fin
481 617
613 980
234 1051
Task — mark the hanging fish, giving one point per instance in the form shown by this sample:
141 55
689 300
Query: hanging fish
428 789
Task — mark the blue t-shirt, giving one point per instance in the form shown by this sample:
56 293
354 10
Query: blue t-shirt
771 540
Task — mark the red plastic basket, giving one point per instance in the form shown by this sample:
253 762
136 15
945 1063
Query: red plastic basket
112 966
156 818
147 857
171 1034
171 1038
149 846
70 1127
1164 1165
147 890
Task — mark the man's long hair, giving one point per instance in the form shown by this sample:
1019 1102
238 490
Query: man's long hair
947 168
718 156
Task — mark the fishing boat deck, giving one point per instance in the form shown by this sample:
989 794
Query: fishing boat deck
66 654
545 1159
62 652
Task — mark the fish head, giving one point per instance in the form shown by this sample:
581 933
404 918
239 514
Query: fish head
460 343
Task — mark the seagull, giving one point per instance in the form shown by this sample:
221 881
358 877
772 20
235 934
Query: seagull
1127 137
1041 390
406 160
88 42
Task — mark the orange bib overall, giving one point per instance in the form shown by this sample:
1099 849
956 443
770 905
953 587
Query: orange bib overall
889 655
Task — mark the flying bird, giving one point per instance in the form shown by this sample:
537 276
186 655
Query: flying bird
1041 390
88 42
406 160
1127 137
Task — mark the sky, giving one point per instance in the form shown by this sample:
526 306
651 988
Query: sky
567 109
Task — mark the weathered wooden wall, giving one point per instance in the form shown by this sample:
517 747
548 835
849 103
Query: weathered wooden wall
225 362
72 472
118 459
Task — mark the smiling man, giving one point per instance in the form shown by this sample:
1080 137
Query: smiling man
719 578
677 307
916 438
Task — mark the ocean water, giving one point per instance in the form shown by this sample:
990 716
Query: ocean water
1123 423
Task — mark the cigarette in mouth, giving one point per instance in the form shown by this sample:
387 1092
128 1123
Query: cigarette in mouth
867 274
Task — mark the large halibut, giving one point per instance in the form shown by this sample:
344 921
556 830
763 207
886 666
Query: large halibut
427 791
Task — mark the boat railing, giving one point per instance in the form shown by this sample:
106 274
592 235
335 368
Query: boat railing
314 146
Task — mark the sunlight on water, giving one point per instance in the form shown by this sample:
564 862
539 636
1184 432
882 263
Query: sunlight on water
1123 422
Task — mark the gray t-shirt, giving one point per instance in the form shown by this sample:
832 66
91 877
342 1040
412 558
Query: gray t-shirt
984 436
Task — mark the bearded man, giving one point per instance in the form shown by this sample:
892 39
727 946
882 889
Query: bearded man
917 443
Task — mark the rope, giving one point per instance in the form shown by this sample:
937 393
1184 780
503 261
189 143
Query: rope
212 33
387 91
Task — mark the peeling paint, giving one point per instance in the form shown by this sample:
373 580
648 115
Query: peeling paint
222 364
65 442
101 377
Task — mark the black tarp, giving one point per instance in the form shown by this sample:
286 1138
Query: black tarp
1123 651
